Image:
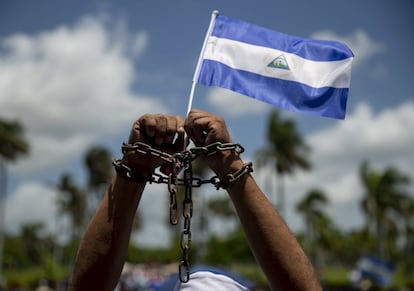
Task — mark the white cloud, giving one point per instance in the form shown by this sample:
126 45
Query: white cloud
31 203
386 137
361 44
71 86
234 104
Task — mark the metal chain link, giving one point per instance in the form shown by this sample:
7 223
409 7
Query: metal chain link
185 238
172 189
175 163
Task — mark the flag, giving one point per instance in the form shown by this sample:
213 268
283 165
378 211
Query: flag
377 271
290 72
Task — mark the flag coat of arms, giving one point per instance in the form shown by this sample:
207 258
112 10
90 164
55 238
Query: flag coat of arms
290 72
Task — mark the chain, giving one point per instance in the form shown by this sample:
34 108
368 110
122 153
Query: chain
174 164
185 238
172 189
230 178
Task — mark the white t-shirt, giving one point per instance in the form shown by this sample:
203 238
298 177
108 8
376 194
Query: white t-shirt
204 280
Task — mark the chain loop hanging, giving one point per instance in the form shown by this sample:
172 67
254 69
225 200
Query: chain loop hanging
185 238
173 165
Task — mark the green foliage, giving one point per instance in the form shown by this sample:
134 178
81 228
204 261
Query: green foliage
230 250
385 204
286 145
12 142
27 248
335 276
222 207
148 255
98 162
29 277
252 272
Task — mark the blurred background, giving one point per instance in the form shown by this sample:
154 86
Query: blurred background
74 76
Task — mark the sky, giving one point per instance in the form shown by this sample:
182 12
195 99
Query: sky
78 73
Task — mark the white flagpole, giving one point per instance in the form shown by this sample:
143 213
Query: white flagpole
200 59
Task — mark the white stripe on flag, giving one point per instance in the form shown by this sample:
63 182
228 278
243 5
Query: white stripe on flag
255 59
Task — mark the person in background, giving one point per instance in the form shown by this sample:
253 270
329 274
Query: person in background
103 249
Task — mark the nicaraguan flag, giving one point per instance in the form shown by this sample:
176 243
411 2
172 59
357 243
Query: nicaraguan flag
378 271
292 73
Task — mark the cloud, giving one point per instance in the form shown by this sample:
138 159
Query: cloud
361 44
71 86
234 104
386 137
31 203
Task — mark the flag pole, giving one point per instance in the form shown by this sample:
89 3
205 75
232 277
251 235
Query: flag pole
200 59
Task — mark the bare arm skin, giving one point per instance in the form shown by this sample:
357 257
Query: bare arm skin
104 246
276 250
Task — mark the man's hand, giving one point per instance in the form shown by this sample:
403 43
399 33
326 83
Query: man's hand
162 132
204 129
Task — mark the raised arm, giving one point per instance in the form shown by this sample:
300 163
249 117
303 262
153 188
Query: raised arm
103 249
275 248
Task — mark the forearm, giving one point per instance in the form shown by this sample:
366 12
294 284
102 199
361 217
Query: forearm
274 246
103 248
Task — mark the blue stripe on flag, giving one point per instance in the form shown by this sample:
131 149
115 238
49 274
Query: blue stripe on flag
290 95
311 49
378 271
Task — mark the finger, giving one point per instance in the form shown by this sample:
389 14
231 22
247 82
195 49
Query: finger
171 129
192 128
206 128
160 129
178 138
199 129
141 129
148 124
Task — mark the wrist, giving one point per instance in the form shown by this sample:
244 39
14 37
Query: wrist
224 163
139 164
231 178
131 172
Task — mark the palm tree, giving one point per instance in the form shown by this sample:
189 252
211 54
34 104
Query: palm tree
31 242
98 164
286 150
12 146
311 207
72 202
12 142
383 202
408 225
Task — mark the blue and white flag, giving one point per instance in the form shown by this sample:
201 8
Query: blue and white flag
378 271
290 72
